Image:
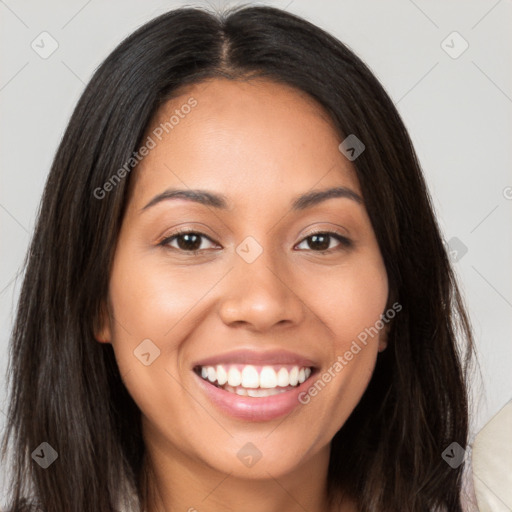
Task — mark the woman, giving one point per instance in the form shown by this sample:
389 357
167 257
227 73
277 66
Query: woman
237 295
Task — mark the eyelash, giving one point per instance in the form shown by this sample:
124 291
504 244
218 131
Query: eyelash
345 243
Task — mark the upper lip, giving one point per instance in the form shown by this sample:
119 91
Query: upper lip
257 357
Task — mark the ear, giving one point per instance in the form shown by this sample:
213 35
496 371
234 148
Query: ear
383 337
102 328
390 306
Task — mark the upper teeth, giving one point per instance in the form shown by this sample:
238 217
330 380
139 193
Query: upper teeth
249 377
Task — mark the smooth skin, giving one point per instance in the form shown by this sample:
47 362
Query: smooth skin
261 145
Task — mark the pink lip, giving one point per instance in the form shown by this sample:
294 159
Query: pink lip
245 356
254 409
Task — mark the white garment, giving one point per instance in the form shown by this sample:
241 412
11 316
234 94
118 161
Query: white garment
492 463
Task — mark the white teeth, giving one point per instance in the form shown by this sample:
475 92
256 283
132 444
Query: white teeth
283 378
222 376
234 377
212 374
268 377
254 393
250 377
294 376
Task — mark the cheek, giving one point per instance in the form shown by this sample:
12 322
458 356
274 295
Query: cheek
351 299
150 298
152 308
156 301
349 302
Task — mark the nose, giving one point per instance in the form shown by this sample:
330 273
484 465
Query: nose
261 294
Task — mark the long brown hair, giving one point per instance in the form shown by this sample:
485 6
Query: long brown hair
65 388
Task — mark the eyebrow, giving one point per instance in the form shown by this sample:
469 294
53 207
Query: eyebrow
221 202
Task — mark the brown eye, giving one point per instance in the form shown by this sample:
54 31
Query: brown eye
186 241
191 241
321 241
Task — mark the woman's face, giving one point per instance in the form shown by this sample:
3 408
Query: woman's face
251 294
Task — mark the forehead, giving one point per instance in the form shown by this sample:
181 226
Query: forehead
256 138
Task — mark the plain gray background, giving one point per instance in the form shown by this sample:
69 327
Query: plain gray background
456 104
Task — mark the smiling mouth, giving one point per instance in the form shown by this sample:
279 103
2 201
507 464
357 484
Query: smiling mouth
255 381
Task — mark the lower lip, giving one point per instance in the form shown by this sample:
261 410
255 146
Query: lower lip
254 408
